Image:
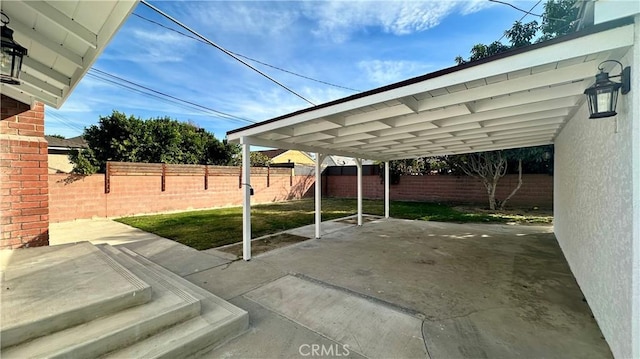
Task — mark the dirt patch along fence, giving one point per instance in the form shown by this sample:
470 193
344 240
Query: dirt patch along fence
536 190
131 189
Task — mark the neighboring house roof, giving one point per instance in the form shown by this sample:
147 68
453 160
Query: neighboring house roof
66 143
273 153
284 156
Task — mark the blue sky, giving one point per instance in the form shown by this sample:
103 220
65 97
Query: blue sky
355 44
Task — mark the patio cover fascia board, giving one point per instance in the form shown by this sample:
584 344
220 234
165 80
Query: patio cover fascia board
538 85
63 40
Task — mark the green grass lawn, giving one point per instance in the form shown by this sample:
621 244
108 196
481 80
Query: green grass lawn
216 227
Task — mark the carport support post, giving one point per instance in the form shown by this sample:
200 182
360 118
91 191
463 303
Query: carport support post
386 189
359 165
246 199
318 193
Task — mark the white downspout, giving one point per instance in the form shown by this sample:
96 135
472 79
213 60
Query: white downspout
386 189
246 200
318 193
359 165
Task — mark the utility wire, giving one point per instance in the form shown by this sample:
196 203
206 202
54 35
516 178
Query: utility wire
523 16
224 50
247 57
196 105
64 121
164 99
519 9
133 89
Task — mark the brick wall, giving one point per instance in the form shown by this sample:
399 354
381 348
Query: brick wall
24 206
536 190
84 197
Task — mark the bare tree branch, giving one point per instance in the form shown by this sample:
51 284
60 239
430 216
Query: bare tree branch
517 187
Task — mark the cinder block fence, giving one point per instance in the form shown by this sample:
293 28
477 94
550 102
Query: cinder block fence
536 190
131 189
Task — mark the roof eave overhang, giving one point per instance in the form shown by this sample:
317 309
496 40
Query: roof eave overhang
61 47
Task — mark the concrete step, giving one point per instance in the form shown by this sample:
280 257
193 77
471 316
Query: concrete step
170 305
48 289
219 321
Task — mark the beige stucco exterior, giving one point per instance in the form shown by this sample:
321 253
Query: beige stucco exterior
596 204
293 156
59 163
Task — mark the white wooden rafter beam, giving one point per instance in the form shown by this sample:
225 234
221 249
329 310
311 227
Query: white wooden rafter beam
43 40
411 103
35 92
39 84
302 147
63 21
31 64
17 94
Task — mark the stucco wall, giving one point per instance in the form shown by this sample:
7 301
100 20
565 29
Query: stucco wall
59 164
593 210
293 156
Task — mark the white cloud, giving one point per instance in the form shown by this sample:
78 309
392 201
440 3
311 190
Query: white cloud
384 72
471 6
337 20
256 18
160 46
144 46
325 94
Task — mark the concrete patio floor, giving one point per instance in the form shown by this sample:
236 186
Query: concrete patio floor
391 288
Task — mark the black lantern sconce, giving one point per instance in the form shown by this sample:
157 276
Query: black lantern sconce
10 56
603 95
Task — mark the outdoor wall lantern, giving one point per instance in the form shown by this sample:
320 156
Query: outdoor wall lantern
603 95
11 55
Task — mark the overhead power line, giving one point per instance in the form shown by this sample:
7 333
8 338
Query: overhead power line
119 81
517 8
523 16
225 51
64 121
522 10
247 57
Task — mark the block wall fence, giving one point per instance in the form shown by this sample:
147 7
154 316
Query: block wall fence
24 196
72 198
536 190
84 197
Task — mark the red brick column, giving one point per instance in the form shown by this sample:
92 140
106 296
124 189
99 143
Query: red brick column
24 191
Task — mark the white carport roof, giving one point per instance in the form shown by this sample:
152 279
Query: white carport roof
63 40
516 99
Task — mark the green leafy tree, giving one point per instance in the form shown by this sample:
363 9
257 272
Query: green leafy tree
520 34
558 19
256 159
259 159
83 162
123 138
55 135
